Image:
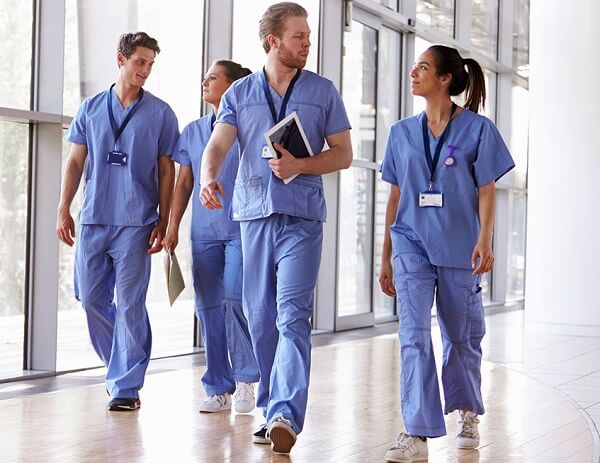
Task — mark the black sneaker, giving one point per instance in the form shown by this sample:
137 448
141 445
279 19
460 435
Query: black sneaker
260 436
124 404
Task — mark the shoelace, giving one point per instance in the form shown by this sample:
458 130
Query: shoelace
404 441
283 420
244 391
465 423
221 399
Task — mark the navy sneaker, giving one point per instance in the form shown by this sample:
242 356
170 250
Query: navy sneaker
260 436
124 404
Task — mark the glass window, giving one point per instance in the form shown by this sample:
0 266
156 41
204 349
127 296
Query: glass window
14 154
359 88
521 37
437 14
519 137
484 26
391 4
355 244
247 47
355 241
517 217
92 31
388 104
16 26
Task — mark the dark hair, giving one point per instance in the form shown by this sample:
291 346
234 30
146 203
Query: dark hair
233 70
128 43
272 20
469 80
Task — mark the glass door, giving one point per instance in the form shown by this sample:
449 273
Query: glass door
371 93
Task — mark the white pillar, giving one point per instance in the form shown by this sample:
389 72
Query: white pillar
563 236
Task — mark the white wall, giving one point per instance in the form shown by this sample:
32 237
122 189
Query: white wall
563 239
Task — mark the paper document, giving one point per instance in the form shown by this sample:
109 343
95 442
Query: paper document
175 283
289 133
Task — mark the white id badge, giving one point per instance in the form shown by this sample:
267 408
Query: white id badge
266 153
431 199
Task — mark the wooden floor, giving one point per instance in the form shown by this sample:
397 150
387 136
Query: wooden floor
353 416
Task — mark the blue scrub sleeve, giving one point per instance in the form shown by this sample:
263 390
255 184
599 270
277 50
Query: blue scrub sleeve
181 154
169 134
228 107
493 158
388 170
336 118
77 129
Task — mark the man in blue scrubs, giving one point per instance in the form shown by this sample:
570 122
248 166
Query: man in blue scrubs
123 139
281 224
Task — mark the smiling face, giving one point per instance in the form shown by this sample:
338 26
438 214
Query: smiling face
136 69
214 84
424 78
293 46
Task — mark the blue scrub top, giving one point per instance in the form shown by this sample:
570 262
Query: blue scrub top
258 193
449 233
208 224
123 195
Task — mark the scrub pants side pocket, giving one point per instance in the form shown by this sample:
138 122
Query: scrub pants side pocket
475 313
415 283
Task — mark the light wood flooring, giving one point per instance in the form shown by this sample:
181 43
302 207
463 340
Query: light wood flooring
353 416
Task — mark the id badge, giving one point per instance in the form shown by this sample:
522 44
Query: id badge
116 158
266 153
431 199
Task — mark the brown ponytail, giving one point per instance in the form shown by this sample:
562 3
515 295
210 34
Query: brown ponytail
471 81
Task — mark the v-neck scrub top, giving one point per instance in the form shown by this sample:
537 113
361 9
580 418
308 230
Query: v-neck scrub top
449 233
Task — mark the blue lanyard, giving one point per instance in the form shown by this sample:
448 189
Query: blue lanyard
286 97
117 131
432 163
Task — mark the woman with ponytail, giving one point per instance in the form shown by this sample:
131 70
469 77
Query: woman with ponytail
216 259
442 166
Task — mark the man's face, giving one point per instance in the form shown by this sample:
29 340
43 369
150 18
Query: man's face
293 46
136 69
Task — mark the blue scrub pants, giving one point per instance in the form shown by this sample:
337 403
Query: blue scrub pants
217 270
282 255
109 256
461 320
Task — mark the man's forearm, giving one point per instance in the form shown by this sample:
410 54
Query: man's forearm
212 163
72 177
331 160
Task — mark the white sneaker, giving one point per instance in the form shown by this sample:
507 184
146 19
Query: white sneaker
467 435
216 403
282 435
407 449
243 399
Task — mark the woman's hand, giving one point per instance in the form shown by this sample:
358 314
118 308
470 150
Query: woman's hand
482 257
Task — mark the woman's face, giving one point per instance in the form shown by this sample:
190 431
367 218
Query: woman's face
424 78
214 84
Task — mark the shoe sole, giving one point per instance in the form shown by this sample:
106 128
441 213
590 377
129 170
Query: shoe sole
123 408
407 460
282 440
244 410
215 411
260 440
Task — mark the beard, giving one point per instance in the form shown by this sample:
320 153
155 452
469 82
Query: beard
287 58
